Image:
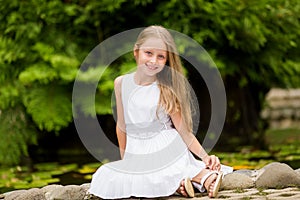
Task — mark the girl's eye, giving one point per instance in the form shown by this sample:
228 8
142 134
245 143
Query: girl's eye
161 57
148 53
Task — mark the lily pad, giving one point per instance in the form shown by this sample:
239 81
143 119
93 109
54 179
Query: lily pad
88 177
89 168
46 166
68 167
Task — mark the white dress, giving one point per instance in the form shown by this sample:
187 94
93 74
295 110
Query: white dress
156 159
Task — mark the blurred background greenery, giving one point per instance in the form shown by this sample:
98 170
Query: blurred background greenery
255 44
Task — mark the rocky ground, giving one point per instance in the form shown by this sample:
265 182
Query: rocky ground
274 181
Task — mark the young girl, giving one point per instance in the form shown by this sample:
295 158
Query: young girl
154 130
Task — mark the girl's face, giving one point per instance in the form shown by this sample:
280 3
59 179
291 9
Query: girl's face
151 57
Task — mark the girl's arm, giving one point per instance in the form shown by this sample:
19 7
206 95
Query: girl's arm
193 144
121 135
120 128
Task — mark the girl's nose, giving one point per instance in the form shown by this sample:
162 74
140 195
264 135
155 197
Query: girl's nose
153 60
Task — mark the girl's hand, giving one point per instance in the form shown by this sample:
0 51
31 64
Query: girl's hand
212 162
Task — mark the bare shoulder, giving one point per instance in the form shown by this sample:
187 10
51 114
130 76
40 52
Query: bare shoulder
118 82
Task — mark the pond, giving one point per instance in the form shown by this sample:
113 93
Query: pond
22 177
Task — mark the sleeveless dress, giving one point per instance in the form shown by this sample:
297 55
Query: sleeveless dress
156 158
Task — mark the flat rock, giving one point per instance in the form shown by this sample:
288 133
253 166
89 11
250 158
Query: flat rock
277 175
236 180
70 192
31 194
298 171
13 194
49 190
85 186
247 172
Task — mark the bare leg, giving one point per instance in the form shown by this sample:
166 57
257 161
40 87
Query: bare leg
209 183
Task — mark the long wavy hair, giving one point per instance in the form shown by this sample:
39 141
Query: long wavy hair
175 91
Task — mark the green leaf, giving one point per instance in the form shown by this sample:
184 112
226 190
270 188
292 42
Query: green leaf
9 95
65 66
9 51
16 133
49 106
91 75
40 72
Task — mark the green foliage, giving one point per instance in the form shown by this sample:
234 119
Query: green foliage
41 47
49 106
51 67
16 133
104 94
246 38
255 43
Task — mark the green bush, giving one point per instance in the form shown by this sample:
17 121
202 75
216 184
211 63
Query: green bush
255 44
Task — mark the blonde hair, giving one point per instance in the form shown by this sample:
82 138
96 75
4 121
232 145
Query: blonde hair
175 91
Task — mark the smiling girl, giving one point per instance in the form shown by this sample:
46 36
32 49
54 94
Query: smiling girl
154 130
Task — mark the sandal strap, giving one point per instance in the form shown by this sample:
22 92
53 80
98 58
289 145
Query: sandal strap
200 187
205 177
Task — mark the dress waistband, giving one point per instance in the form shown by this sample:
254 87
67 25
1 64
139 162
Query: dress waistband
145 129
